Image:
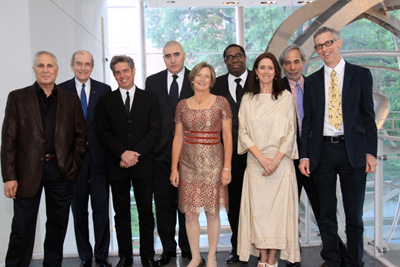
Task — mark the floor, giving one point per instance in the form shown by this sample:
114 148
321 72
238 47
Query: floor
310 258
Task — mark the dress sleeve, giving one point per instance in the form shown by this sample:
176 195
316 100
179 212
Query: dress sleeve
225 108
178 111
244 139
288 144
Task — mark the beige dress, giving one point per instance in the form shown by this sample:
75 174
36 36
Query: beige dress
269 206
202 157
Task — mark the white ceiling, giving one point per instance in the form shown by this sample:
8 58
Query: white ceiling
220 3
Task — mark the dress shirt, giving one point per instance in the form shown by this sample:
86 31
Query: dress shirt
293 89
48 111
79 89
329 130
131 95
179 80
232 84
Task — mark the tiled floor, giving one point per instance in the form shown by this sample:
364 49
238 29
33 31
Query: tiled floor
310 258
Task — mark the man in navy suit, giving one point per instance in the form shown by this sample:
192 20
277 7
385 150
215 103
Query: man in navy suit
91 180
339 137
128 124
232 86
166 195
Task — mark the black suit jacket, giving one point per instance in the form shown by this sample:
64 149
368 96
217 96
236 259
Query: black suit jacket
138 131
157 84
222 88
96 150
23 150
360 130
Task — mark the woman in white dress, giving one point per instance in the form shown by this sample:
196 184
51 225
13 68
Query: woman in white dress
267 129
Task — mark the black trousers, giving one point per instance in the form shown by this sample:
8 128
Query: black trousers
143 191
333 162
58 194
90 182
166 200
239 163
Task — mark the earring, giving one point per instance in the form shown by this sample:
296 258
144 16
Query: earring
275 78
256 77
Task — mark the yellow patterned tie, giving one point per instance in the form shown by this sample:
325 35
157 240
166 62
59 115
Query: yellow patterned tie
335 102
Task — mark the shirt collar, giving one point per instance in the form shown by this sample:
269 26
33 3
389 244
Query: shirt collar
39 89
292 83
232 78
339 68
180 74
79 84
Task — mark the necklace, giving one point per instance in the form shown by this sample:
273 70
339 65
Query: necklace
199 101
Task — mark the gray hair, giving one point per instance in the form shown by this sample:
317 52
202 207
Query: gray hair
336 34
121 58
172 43
81 52
39 53
285 52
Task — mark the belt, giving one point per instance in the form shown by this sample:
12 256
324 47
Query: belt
334 139
49 157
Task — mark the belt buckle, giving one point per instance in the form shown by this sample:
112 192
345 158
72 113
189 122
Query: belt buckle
333 139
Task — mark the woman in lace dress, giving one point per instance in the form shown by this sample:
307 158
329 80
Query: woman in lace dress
267 129
204 162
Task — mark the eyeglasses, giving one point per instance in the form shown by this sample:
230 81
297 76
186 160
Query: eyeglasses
326 44
238 56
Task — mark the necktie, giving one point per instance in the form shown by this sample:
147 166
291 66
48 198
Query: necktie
300 95
84 101
173 91
127 103
335 102
239 90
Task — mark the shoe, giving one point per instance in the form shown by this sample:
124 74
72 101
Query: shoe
262 264
273 265
232 257
87 263
103 263
296 264
149 263
202 262
186 254
125 262
165 257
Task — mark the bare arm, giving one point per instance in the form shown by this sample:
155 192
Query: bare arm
226 175
176 152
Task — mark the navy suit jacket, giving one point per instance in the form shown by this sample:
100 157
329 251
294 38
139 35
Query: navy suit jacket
158 85
97 89
360 130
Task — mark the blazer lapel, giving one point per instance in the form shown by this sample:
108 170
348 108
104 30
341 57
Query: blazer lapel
348 73
33 105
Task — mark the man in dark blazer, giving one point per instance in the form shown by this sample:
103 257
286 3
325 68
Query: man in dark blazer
43 141
338 139
232 86
292 59
128 124
166 195
91 180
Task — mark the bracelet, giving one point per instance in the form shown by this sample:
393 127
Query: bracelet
226 169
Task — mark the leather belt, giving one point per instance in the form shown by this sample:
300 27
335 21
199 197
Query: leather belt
334 139
49 157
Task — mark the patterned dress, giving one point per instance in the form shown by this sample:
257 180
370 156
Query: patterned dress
202 157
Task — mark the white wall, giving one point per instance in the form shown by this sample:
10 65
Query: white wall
61 27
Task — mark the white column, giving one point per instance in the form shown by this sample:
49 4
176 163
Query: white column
141 72
240 25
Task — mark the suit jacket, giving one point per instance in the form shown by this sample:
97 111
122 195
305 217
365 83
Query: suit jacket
157 84
360 130
23 150
222 88
96 150
138 131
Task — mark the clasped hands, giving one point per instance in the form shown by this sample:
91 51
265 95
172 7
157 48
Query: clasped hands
129 159
268 164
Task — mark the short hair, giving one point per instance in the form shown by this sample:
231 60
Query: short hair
336 34
172 43
196 69
80 52
121 58
277 86
234 45
43 52
285 52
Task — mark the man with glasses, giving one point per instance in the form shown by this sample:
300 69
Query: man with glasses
91 180
232 86
339 137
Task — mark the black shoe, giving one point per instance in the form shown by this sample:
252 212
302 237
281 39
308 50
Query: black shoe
103 263
232 258
165 257
87 263
125 262
296 264
149 263
186 254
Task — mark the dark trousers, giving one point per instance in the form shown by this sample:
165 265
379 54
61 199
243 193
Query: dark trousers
333 162
166 200
239 163
90 182
143 191
58 194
